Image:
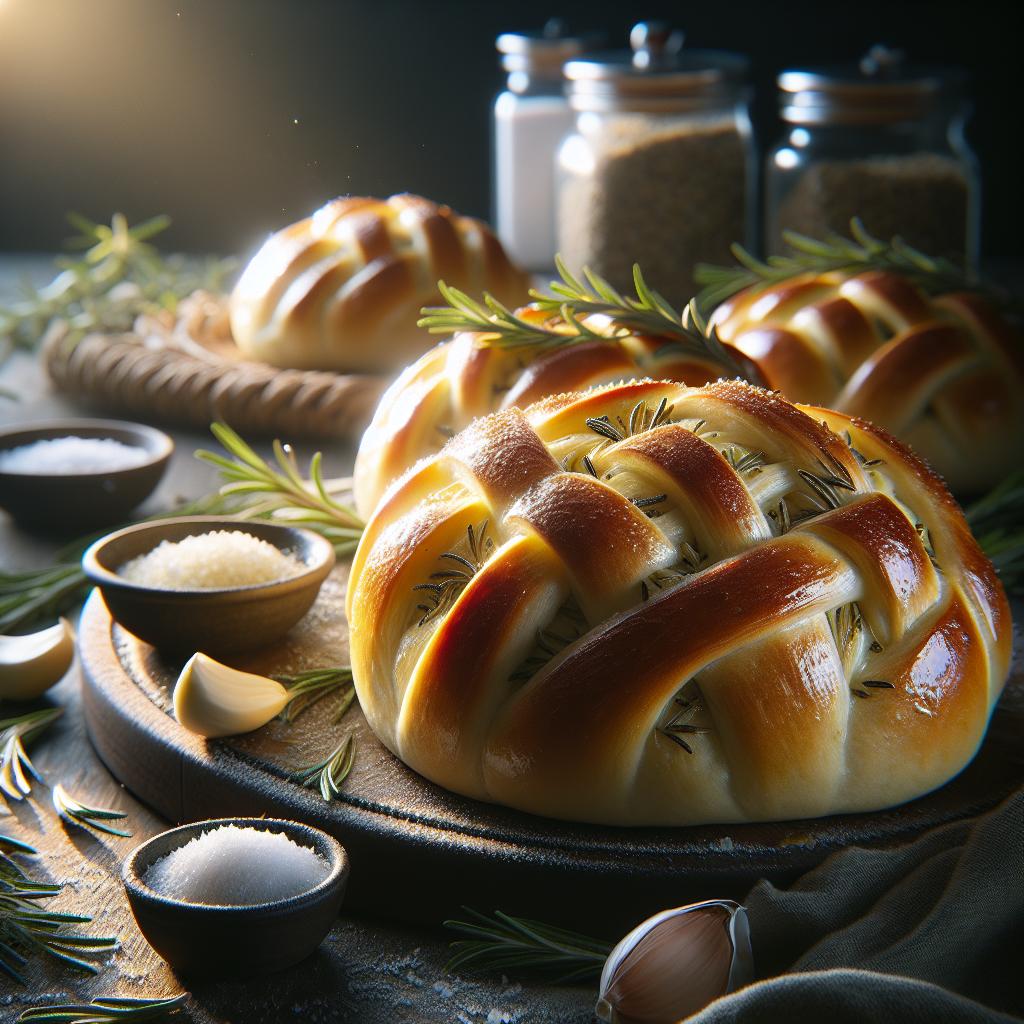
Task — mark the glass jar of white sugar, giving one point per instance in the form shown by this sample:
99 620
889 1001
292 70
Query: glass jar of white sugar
530 118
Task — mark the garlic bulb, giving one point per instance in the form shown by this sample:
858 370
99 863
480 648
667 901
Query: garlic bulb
30 665
212 699
675 963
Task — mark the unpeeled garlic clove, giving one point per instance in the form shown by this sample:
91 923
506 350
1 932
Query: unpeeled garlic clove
675 963
31 664
213 700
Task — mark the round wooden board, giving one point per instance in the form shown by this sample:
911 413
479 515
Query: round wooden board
419 852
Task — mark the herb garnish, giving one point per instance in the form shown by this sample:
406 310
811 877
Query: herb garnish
506 944
25 928
16 769
448 583
76 813
119 277
106 1010
862 251
331 772
645 313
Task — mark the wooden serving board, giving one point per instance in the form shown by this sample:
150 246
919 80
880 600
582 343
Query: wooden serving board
419 852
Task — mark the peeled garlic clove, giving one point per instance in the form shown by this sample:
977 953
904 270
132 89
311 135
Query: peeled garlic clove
675 963
212 699
31 664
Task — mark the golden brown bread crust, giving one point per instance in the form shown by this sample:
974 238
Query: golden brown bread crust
742 610
945 375
461 379
343 289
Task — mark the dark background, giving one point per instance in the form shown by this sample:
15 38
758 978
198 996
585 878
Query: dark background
239 116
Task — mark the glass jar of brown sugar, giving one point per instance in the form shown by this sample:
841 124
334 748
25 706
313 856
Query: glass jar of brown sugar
659 167
884 142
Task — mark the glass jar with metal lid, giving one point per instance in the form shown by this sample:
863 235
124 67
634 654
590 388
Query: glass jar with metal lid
531 118
659 169
881 141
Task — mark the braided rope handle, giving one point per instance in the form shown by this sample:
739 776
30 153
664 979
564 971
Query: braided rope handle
181 371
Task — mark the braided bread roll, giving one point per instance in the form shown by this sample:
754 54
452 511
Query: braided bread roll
742 610
463 378
342 290
944 374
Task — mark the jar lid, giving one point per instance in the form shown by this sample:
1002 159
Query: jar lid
656 73
881 89
543 52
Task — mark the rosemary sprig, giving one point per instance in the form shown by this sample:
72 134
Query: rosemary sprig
16 769
106 1010
306 688
76 813
282 492
506 944
995 520
330 773
646 312
449 582
862 251
119 277
25 929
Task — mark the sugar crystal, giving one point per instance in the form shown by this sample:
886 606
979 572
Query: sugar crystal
232 866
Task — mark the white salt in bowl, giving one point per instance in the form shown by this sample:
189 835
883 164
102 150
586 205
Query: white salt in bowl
216 621
220 941
57 500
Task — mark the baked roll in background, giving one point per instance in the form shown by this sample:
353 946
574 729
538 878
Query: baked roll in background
653 604
944 374
342 290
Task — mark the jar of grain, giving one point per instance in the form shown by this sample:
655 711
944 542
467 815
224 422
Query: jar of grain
882 141
659 167
531 118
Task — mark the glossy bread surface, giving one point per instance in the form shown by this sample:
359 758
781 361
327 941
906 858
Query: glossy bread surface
737 609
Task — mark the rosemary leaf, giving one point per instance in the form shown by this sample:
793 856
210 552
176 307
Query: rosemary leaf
505 944
106 1010
329 774
16 769
858 253
307 688
76 813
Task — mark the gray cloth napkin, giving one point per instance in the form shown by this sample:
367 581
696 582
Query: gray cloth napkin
932 932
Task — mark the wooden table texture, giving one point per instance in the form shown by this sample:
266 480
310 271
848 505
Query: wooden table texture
366 972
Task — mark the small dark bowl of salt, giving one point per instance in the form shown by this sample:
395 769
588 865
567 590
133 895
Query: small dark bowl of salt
236 897
71 476
209 583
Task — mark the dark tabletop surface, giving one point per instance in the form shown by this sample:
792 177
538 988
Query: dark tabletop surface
366 970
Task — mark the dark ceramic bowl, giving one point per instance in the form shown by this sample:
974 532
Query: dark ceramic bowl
222 621
200 939
78 502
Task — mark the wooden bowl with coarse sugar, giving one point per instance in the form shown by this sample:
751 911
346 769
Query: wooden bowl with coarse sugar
214 619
